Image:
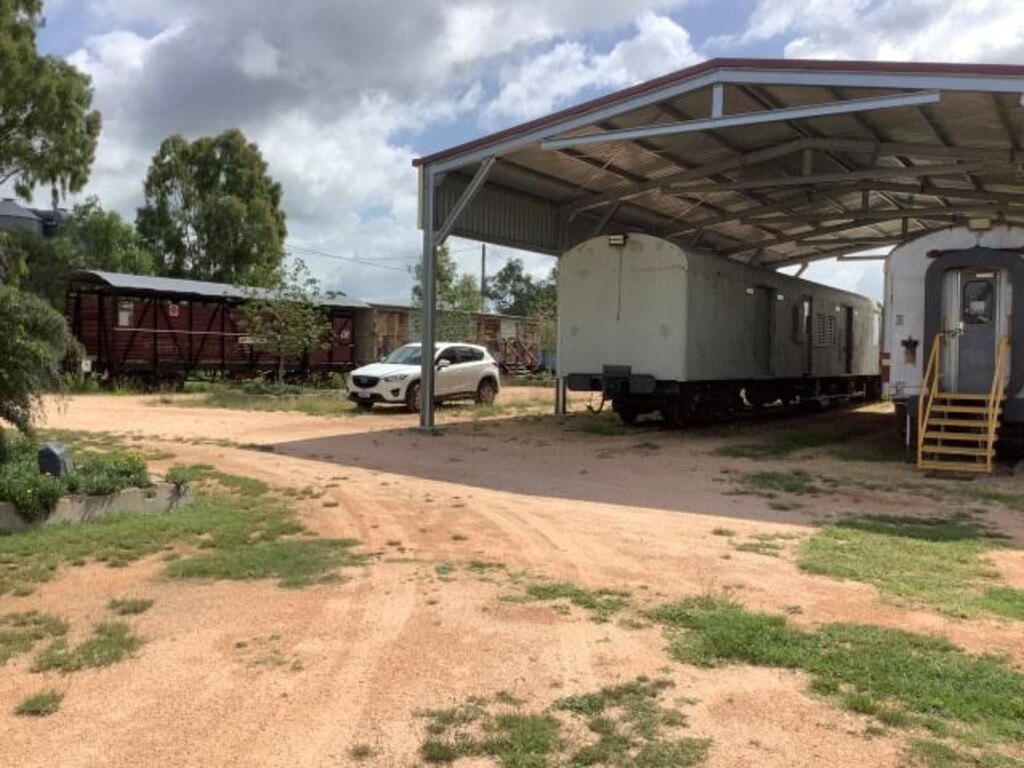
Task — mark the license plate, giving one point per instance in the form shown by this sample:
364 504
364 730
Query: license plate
363 395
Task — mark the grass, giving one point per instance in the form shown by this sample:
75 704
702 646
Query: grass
360 752
936 562
197 473
41 704
602 603
858 440
242 534
796 482
605 424
110 643
19 632
898 677
621 726
929 753
129 606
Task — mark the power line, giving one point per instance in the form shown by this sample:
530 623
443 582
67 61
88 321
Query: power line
369 263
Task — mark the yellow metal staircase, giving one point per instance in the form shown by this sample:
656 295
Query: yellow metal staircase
958 430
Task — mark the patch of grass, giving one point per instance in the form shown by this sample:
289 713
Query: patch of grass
243 535
360 752
779 445
605 424
723 532
916 679
129 606
769 548
199 473
602 603
294 562
41 704
796 482
312 402
928 753
110 643
19 632
938 562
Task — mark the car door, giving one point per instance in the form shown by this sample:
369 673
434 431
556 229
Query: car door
446 378
472 368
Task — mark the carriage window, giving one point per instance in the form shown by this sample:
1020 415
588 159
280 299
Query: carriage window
124 314
977 304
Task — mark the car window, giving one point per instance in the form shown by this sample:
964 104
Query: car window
471 355
450 354
407 355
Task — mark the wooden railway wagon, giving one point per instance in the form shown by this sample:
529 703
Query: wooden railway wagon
163 329
513 341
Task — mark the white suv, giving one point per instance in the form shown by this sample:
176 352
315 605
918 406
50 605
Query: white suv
463 371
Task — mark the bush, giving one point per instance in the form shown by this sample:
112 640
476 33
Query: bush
13 445
264 387
32 493
100 474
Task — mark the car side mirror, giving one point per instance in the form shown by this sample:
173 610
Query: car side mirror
443 363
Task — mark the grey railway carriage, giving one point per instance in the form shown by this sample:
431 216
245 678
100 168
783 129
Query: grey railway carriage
953 363
655 327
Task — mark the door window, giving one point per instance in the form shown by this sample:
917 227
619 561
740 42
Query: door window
977 302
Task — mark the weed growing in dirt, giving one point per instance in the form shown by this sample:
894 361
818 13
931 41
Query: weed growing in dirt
898 677
855 442
796 482
243 535
42 704
937 562
19 632
198 473
110 643
601 603
928 753
605 424
622 726
129 606
770 548
312 403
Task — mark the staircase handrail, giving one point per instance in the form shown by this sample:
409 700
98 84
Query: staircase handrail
995 398
928 393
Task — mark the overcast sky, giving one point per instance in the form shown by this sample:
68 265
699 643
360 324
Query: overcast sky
341 95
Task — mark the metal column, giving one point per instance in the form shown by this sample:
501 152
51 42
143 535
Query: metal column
427 324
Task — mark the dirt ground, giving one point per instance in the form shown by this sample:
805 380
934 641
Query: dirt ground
634 511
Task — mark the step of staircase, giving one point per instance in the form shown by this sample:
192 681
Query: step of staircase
964 396
954 466
963 409
960 437
950 450
970 423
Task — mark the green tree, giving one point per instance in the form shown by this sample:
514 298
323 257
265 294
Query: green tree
458 296
287 321
212 212
33 346
515 292
48 132
89 238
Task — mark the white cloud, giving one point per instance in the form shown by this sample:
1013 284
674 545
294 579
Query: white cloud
541 83
901 30
258 58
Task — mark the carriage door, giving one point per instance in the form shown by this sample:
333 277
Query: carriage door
343 347
764 313
848 315
973 302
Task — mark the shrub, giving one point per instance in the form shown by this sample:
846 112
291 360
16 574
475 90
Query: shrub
101 474
32 493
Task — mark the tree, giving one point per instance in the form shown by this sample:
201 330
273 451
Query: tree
287 321
212 212
33 346
515 292
47 131
455 292
89 238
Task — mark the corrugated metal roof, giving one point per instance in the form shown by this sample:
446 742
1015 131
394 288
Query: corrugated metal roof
145 284
12 210
805 170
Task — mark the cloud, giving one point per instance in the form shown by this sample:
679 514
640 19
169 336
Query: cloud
537 84
340 95
899 30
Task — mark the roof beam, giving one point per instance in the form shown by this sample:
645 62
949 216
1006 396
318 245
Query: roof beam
748 118
797 237
933 190
464 200
879 215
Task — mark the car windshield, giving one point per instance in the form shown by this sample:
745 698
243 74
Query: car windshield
408 355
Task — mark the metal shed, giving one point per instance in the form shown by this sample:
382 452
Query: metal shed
771 162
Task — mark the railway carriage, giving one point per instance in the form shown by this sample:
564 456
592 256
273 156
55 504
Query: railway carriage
656 327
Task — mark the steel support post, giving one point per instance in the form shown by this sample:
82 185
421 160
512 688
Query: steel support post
429 309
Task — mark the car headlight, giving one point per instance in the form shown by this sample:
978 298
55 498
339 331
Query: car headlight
397 377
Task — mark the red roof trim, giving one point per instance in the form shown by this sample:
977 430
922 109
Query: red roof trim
893 67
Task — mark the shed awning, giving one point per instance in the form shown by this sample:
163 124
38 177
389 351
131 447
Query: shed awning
774 162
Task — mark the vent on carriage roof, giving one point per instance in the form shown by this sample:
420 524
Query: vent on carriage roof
171 286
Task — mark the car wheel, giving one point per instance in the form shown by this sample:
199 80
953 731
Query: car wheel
485 392
412 397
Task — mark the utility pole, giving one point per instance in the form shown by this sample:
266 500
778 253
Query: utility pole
483 278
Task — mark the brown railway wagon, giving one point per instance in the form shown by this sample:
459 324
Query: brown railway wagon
157 328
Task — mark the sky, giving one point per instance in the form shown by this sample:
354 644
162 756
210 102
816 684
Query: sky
341 95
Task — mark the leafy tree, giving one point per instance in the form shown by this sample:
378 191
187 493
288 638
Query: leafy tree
287 321
47 131
89 238
455 292
212 212
515 292
33 346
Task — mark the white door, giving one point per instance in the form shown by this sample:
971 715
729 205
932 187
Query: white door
446 378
